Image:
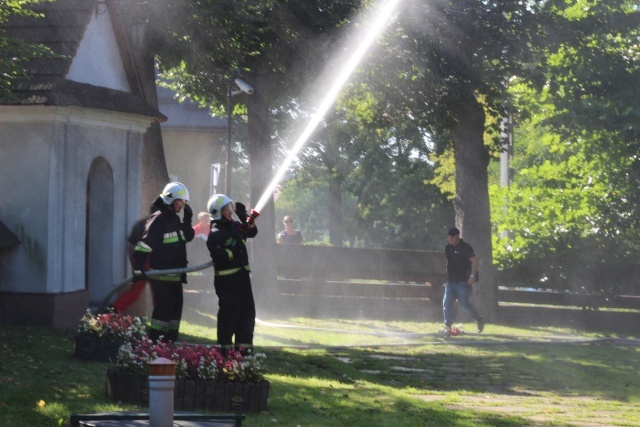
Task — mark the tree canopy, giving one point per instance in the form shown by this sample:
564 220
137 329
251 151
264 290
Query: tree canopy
575 182
15 53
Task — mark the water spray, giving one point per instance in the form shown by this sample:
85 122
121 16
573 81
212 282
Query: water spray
382 17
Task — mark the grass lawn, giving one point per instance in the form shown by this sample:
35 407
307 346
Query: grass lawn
340 372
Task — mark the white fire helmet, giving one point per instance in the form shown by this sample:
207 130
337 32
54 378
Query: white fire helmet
173 191
215 205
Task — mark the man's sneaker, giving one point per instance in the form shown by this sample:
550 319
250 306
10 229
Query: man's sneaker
455 331
480 323
446 331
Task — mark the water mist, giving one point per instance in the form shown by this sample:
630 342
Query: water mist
382 16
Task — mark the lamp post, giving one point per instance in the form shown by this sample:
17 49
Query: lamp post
241 86
227 162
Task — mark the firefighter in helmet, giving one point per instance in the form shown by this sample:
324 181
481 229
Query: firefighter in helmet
232 282
164 244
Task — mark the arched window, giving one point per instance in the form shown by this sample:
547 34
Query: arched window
99 231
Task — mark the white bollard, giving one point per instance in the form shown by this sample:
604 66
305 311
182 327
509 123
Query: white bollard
162 381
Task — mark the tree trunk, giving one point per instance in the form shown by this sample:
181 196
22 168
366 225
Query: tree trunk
260 175
154 166
335 211
153 170
472 197
335 193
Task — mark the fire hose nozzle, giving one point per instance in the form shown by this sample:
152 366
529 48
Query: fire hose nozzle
252 216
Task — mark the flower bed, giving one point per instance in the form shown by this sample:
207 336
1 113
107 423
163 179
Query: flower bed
191 395
100 336
206 379
96 349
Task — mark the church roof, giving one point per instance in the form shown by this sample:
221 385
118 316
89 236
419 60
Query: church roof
187 114
62 29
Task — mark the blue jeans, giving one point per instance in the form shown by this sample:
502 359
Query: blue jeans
460 291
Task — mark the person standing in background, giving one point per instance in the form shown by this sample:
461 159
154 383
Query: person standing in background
164 244
290 235
462 274
202 228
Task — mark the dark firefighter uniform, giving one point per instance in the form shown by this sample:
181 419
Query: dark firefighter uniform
236 307
164 243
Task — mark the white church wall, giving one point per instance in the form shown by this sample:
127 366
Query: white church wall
50 210
24 169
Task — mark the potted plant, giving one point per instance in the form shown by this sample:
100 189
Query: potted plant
206 379
100 336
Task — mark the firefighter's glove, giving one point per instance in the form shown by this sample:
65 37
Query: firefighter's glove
241 211
188 215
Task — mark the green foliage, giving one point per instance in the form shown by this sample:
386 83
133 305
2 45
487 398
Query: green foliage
397 206
578 174
576 166
201 44
15 53
382 169
444 174
307 204
593 71
593 77
559 204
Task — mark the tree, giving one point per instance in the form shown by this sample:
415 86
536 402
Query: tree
362 152
200 44
447 70
16 52
560 196
592 73
327 160
575 190
469 50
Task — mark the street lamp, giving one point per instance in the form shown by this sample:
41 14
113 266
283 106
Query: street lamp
240 87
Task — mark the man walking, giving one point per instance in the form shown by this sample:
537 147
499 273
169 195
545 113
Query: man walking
462 272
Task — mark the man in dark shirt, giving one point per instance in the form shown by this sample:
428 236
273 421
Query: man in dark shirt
462 271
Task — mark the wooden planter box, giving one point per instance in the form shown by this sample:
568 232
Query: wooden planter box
95 349
191 395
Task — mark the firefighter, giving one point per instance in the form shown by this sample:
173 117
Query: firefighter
164 244
232 282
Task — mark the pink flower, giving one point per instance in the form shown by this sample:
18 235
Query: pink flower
112 326
193 361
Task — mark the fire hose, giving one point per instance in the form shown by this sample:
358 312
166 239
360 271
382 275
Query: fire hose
250 219
126 282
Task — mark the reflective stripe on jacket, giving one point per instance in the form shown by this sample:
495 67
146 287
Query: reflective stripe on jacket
226 244
164 241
